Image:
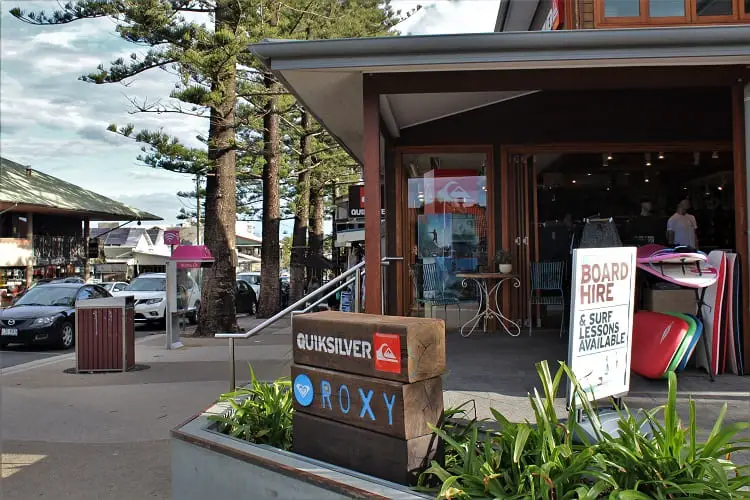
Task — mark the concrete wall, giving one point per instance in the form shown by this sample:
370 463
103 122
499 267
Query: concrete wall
206 464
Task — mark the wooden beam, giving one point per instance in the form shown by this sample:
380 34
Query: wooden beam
740 205
553 79
371 167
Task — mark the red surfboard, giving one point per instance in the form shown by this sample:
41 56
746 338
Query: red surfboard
656 339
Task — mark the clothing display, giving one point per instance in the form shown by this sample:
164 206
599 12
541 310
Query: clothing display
599 233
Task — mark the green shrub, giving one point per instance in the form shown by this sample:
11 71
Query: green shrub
260 413
542 461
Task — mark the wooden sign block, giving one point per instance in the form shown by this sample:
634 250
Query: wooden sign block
372 453
385 347
393 408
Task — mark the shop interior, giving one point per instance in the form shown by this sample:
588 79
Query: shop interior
637 191
449 221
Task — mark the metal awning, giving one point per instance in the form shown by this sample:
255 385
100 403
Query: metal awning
326 76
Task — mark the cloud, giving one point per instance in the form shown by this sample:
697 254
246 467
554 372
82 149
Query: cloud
165 205
448 16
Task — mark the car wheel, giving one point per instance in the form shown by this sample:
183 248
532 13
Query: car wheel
193 317
67 336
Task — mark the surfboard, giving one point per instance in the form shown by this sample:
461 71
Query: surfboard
656 338
729 363
653 253
693 342
685 344
739 340
694 275
711 313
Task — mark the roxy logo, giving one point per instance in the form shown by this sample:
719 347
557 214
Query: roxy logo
303 390
387 352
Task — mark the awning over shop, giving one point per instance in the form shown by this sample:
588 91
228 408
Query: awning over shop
346 238
327 76
111 268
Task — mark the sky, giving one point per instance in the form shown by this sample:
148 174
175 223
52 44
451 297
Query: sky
53 122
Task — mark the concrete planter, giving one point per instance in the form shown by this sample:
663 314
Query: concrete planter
208 464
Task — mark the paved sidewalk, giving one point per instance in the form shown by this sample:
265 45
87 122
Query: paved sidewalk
106 436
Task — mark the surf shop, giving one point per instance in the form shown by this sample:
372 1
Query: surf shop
512 149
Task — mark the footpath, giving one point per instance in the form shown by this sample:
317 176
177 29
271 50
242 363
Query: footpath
106 436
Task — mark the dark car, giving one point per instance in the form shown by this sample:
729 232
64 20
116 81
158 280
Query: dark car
46 314
245 298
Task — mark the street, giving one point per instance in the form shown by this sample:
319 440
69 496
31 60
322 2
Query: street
18 354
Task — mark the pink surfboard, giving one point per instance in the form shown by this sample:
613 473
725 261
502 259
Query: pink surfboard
656 339
711 313
693 275
653 253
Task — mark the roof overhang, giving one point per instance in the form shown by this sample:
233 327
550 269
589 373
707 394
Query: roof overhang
83 214
327 76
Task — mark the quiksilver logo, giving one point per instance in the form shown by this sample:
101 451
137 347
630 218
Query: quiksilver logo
334 345
385 354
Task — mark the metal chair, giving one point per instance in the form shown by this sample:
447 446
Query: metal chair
546 277
429 289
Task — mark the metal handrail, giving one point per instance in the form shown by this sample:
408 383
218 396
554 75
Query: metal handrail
355 270
273 319
326 296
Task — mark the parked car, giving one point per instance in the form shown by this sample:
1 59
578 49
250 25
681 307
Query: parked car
46 314
253 279
115 286
150 293
69 279
245 298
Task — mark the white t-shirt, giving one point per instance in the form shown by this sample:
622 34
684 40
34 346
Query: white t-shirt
683 227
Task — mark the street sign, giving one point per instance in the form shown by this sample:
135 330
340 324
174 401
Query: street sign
601 320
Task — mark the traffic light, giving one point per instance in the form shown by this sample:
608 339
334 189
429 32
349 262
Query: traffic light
93 252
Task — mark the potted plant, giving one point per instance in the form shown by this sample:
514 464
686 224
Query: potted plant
503 261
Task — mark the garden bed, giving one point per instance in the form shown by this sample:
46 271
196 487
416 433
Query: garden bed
209 464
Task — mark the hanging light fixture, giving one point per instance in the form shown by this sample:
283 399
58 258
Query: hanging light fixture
648 159
661 156
605 160
715 155
609 156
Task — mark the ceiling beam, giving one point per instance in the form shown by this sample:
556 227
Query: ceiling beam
555 79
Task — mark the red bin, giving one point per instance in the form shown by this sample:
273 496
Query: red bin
105 334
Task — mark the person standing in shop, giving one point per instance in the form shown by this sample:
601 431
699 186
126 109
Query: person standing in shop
681 227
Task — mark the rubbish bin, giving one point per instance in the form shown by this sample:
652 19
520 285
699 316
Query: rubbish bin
105 334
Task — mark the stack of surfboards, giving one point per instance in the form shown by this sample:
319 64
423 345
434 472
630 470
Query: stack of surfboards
660 338
663 342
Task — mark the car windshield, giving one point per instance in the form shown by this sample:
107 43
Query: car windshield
49 295
148 285
250 278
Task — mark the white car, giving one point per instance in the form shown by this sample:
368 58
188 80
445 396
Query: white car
150 293
252 279
114 286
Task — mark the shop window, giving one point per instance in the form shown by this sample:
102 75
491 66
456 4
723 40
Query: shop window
447 226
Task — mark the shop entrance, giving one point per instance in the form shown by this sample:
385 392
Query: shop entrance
630 194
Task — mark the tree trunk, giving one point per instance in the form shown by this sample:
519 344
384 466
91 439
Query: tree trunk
301 214
217 307
268 303
317 213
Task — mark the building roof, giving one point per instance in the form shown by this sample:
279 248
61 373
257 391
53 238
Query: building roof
31 190
120 237
326 76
